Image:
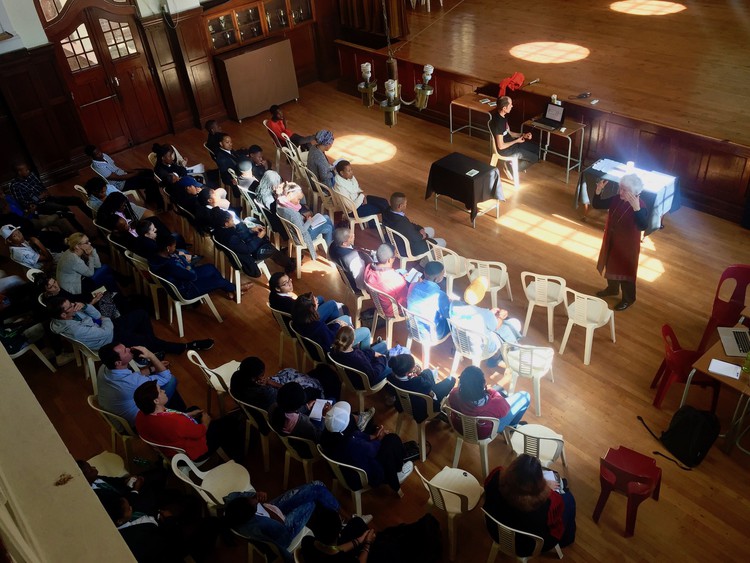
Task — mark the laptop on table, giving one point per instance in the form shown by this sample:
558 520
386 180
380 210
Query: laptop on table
553 119
736 341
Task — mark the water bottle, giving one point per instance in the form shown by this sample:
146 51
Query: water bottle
746 365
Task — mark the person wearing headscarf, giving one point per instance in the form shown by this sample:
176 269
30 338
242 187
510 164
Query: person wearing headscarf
317 161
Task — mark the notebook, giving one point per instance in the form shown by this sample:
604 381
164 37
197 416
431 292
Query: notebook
554 117
736 341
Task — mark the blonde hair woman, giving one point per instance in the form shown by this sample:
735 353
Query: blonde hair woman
80 269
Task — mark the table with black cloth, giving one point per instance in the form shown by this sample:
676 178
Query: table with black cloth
448 177
660 191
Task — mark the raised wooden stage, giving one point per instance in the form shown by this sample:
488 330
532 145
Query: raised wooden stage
673 89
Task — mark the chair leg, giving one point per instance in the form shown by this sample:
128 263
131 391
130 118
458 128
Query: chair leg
42 357
178 311
299 262
281 349
550 323
399 422
422 440
538 395
659 374
565 336
452 535
484 456
357 502
603 497
296 355
454 366
666 382
510 292
155 299
493 552
361 397
425 355
287 463
207 300
237 286
634 502
307 465
389 332
266 457
457 454
248 429
589 345
526 323
612 326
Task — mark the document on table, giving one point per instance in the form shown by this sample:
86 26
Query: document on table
720 367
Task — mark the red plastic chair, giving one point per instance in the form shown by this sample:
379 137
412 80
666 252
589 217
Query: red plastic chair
676 367
632 473
727 313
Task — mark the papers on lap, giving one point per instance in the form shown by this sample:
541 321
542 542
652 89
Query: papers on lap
317 411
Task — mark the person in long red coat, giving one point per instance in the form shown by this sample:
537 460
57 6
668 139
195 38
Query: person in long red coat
621 246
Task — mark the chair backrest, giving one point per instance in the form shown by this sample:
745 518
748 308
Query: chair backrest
169 287
213 379
345 278
353 379
520 357
313 350
300 449
102 176
678 359
469 426
378 297
164 450
532 443
111 418
210 152
327 196
295 235
628 465
453 263
80 189
399 241
337 467
420 328
257 416
470 343
587 309
140 264
546 288
438 495
405 399
252 209
728 311
506 538
495 272
31 272
152 159
186 471
283 319
116 244
274 138
292 146
234 260
102 229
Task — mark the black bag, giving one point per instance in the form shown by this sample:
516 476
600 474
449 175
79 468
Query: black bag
690 435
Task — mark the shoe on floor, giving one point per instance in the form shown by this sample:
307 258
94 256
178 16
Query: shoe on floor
406 470
200 345
364 418
606 292
64 359
622 305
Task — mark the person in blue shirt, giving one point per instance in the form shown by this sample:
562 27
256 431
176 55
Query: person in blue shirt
426 299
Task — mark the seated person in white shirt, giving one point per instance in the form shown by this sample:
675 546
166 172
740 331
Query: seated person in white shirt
98 190
31 253
346 184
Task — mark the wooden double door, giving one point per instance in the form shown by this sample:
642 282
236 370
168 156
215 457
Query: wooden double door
107 69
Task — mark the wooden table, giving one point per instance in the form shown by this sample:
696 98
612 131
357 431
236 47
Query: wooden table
472 102
571 128
745 314
742 385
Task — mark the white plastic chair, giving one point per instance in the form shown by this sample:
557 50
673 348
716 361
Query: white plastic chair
212 485
83 352
312 350
140 264
349 376
476 346
507 542
362 487
31 347
109 464
304 451
422 330
299 153
269 551
454 266
407 256
377 298
283 319
589 312
256 418
533 362
297 243
217 379
545 291
359 296
124 431
176 298
494 272
455 492
468 431
329 203
349 209
538 441
276 143
235 267
405 399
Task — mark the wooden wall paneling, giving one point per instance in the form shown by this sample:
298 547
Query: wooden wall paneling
171 73
43 112
11 143
302 40
326 30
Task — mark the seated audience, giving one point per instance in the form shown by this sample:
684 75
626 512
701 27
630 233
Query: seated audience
352 260
31 253
290 416
395 218
133 328
380 455
125 180
214 132
282 298
29 192
79 269
411 377
193 431
207 200
383 277
289 206
191 281
278 125
317 161
117 205
520 497
140 490
228 159
426 299
99 190
346 184
245 178
373 362
356 543
249 244
252 515
259 162
116 381
172 174
307 322
109 303
474 398
268 188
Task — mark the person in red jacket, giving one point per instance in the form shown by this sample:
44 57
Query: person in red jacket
193 431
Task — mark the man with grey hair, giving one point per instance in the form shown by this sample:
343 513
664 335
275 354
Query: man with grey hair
351 259
383 277
507 142
621 246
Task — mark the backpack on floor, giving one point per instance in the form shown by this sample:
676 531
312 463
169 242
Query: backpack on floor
690 434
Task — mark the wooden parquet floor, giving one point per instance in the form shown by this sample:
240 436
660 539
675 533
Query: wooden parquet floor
702 514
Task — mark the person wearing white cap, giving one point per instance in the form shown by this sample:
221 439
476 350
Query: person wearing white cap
31 253
380 455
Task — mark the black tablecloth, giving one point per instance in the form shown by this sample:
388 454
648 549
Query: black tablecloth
448 177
